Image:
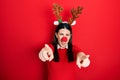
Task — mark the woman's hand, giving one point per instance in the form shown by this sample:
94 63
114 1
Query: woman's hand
46 54
82 60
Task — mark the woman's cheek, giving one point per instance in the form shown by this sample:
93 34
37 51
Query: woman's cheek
68 38
60 38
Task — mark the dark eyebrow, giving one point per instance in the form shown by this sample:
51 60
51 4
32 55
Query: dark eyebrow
67 34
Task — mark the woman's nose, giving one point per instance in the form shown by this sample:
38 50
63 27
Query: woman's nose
64 39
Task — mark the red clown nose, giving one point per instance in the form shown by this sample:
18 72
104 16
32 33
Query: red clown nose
64 39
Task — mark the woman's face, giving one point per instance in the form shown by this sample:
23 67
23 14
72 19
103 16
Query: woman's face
63 37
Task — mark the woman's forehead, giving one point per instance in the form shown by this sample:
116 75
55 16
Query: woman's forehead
64 30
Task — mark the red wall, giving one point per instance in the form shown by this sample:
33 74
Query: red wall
25 25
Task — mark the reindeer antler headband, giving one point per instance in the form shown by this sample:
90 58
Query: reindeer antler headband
75 12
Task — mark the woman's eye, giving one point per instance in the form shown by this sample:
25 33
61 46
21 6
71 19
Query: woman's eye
61 34
67 34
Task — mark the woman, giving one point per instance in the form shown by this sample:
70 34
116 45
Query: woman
61 55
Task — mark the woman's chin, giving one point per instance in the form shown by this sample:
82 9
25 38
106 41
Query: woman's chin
63 44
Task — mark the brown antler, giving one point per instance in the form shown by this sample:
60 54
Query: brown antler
75 14
57 10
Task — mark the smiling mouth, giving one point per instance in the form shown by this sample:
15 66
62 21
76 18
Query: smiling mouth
63 42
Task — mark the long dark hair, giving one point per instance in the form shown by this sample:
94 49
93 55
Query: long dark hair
55 42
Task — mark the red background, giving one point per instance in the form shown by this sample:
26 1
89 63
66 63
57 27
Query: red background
25 25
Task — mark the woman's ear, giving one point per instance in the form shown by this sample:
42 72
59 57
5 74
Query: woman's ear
56 35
